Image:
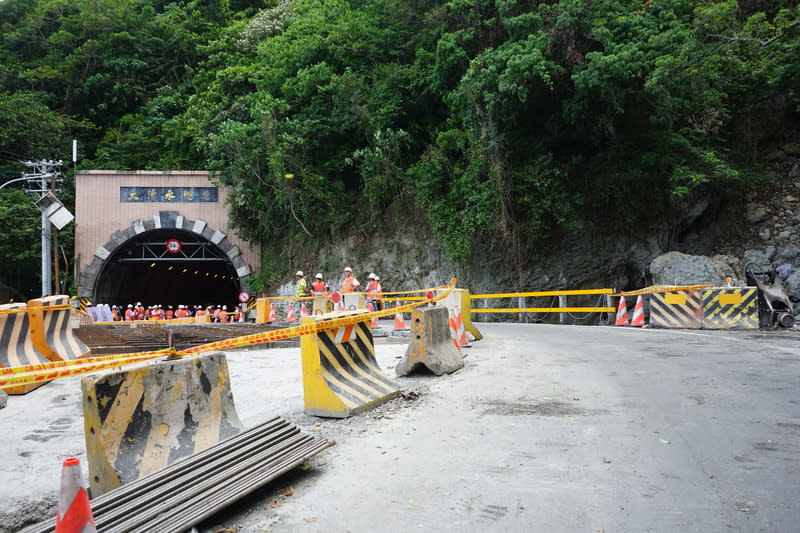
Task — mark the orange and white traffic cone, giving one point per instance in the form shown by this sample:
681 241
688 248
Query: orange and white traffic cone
303 312
622 313
399 323
74 513
638 313
273 317
242 311
290 317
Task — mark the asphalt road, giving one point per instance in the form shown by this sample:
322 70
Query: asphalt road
546 428
561 429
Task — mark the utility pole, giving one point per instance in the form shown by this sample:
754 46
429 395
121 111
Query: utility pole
45 179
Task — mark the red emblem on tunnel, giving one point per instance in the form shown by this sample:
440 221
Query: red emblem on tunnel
173 246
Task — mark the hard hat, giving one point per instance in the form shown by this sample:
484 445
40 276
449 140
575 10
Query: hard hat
299 273
318 276
348 269
376 278
130 306
371 276
224 307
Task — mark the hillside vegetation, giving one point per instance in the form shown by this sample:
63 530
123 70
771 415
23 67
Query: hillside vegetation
507 122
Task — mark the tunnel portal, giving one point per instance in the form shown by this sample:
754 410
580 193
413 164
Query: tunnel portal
168 267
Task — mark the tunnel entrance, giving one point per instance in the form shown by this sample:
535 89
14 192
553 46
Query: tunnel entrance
168 267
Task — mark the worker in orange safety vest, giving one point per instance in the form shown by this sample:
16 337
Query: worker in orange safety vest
318 286
374 290
350 283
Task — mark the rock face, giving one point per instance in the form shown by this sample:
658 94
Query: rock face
675 268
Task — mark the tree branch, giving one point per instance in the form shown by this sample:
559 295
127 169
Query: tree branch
759 41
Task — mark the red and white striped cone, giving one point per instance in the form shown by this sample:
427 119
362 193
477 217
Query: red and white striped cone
622 313
74 513
303 312
638 313
461 334
273 317
399 323
290 317
242 311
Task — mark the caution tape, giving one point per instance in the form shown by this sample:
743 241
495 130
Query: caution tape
12 311
25 309
306 329
655 289
29 374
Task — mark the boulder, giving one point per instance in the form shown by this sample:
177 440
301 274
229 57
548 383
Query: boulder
675 268
793 286
758 259
784 271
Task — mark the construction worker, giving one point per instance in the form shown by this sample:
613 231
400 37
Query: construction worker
318 286
223 314
141 313
130 313
349 283
374 291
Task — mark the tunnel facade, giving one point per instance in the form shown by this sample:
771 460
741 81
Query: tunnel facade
159 238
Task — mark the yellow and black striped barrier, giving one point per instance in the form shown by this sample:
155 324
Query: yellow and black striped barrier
17 348
51 329
141 420
340 374
730 308
677 309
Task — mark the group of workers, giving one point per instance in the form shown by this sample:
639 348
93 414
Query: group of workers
133 312
350 284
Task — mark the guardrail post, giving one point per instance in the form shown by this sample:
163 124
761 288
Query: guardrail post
562 303
523 316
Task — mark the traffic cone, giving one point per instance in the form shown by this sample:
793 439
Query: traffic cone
272 316
461 334
399 323
290 313
622 313
242 311
638 313
74 513
303 312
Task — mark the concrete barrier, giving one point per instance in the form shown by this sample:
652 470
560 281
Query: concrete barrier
730 308
431 344
340 374
139 420
51 329
355 300
16 344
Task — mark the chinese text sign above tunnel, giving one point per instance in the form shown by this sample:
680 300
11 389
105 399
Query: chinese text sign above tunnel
168 194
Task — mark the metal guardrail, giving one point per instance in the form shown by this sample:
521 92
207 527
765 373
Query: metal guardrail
563 309
188 491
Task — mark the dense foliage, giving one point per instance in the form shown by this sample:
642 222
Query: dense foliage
505 120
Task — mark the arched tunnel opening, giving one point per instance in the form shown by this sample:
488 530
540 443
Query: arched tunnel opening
168 267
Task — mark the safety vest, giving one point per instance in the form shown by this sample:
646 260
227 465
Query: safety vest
349 284
302 288
129 315
318 287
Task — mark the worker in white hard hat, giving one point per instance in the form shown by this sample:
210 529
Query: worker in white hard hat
349 283
301 287
318 285
374 291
